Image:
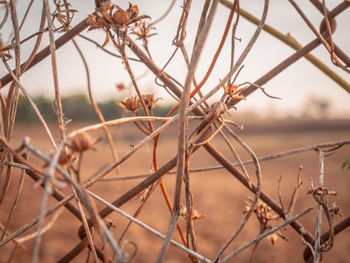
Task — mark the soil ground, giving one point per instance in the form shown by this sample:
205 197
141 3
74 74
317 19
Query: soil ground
216 194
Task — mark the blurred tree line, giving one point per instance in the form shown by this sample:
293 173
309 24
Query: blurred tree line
76 108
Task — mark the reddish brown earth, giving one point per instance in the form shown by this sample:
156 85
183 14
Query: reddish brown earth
216 194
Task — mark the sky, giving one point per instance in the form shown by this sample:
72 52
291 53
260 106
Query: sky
297 86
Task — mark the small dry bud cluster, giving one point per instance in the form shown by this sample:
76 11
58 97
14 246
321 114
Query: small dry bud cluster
106 17
133 104
264 214
82 143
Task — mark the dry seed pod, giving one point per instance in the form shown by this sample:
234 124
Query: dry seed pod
120 17
120 86
97 22
103 5
150 100
63 159
81 143
130 104
133 11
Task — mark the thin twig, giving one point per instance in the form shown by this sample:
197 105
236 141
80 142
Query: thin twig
289 40
265 234
238 158
254 201
14 204
13 94
143 225
104 49
182 137
111 240
86 226
295 192
7 8
26 14
317 249
44 229
94 104
33 105
46 51
58 103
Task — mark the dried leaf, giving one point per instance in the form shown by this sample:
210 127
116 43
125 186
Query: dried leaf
197 215
106 40
92 19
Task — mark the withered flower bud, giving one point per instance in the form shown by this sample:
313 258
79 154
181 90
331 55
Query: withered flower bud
81 143
149 100
103 5
120 86
120 17
63 159
131 104
133 11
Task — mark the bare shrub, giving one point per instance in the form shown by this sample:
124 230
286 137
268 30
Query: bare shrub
72 178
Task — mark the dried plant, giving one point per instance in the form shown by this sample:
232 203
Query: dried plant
64 177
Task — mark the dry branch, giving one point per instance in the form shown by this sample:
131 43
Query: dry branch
66 163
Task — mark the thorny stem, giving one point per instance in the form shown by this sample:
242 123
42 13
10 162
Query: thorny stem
131 74
170 206
212 150
233 36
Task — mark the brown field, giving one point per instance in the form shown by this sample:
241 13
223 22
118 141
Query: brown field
217 194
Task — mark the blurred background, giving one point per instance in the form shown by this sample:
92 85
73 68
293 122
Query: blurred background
305 90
